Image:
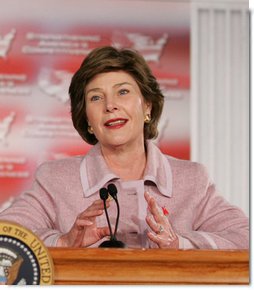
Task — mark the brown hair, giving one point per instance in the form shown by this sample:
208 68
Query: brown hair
107 59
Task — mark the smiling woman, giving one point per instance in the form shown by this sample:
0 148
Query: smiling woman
138 78
116 104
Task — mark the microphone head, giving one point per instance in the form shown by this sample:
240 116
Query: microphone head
103 193
112 190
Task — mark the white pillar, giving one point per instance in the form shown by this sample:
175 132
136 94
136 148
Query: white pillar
220 94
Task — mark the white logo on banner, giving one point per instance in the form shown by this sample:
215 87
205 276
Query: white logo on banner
150 48
5 42
55 83
5 125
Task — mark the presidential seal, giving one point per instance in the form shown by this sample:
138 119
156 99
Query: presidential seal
24 260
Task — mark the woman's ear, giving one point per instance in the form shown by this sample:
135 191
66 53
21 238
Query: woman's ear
148 108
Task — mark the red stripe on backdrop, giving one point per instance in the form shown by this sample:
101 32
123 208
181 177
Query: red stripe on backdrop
12 187
178 149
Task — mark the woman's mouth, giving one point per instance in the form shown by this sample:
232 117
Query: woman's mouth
115 123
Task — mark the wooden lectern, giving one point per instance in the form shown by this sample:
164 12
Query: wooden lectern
149 266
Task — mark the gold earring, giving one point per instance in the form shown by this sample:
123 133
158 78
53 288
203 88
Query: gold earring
90 130
147 118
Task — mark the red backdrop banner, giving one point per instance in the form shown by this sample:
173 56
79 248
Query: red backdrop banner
42 44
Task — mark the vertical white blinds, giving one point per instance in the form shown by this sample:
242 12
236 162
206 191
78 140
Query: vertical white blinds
220 94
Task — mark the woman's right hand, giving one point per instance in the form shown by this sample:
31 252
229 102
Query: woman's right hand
84 231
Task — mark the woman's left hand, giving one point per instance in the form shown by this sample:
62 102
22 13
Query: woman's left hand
163 234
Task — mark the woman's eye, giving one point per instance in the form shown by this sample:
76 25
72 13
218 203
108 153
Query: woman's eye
123 92
95 98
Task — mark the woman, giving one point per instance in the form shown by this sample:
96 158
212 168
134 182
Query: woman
116 104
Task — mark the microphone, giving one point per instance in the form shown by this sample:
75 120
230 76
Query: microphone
104 197
113 192
113 242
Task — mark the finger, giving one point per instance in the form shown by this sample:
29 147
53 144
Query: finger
156 211
152 224
91 214
167 228
162 242
103 232
153 207
147 196
78 240
81 223
150 201
171 232
98 204
153 237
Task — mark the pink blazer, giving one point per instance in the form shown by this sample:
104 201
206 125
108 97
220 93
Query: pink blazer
64 188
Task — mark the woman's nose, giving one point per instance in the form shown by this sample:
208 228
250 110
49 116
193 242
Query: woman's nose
111 105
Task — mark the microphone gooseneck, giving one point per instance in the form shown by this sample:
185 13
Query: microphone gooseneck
113 242
104 196
113 192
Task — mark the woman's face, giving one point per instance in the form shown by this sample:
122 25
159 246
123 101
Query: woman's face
115 108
